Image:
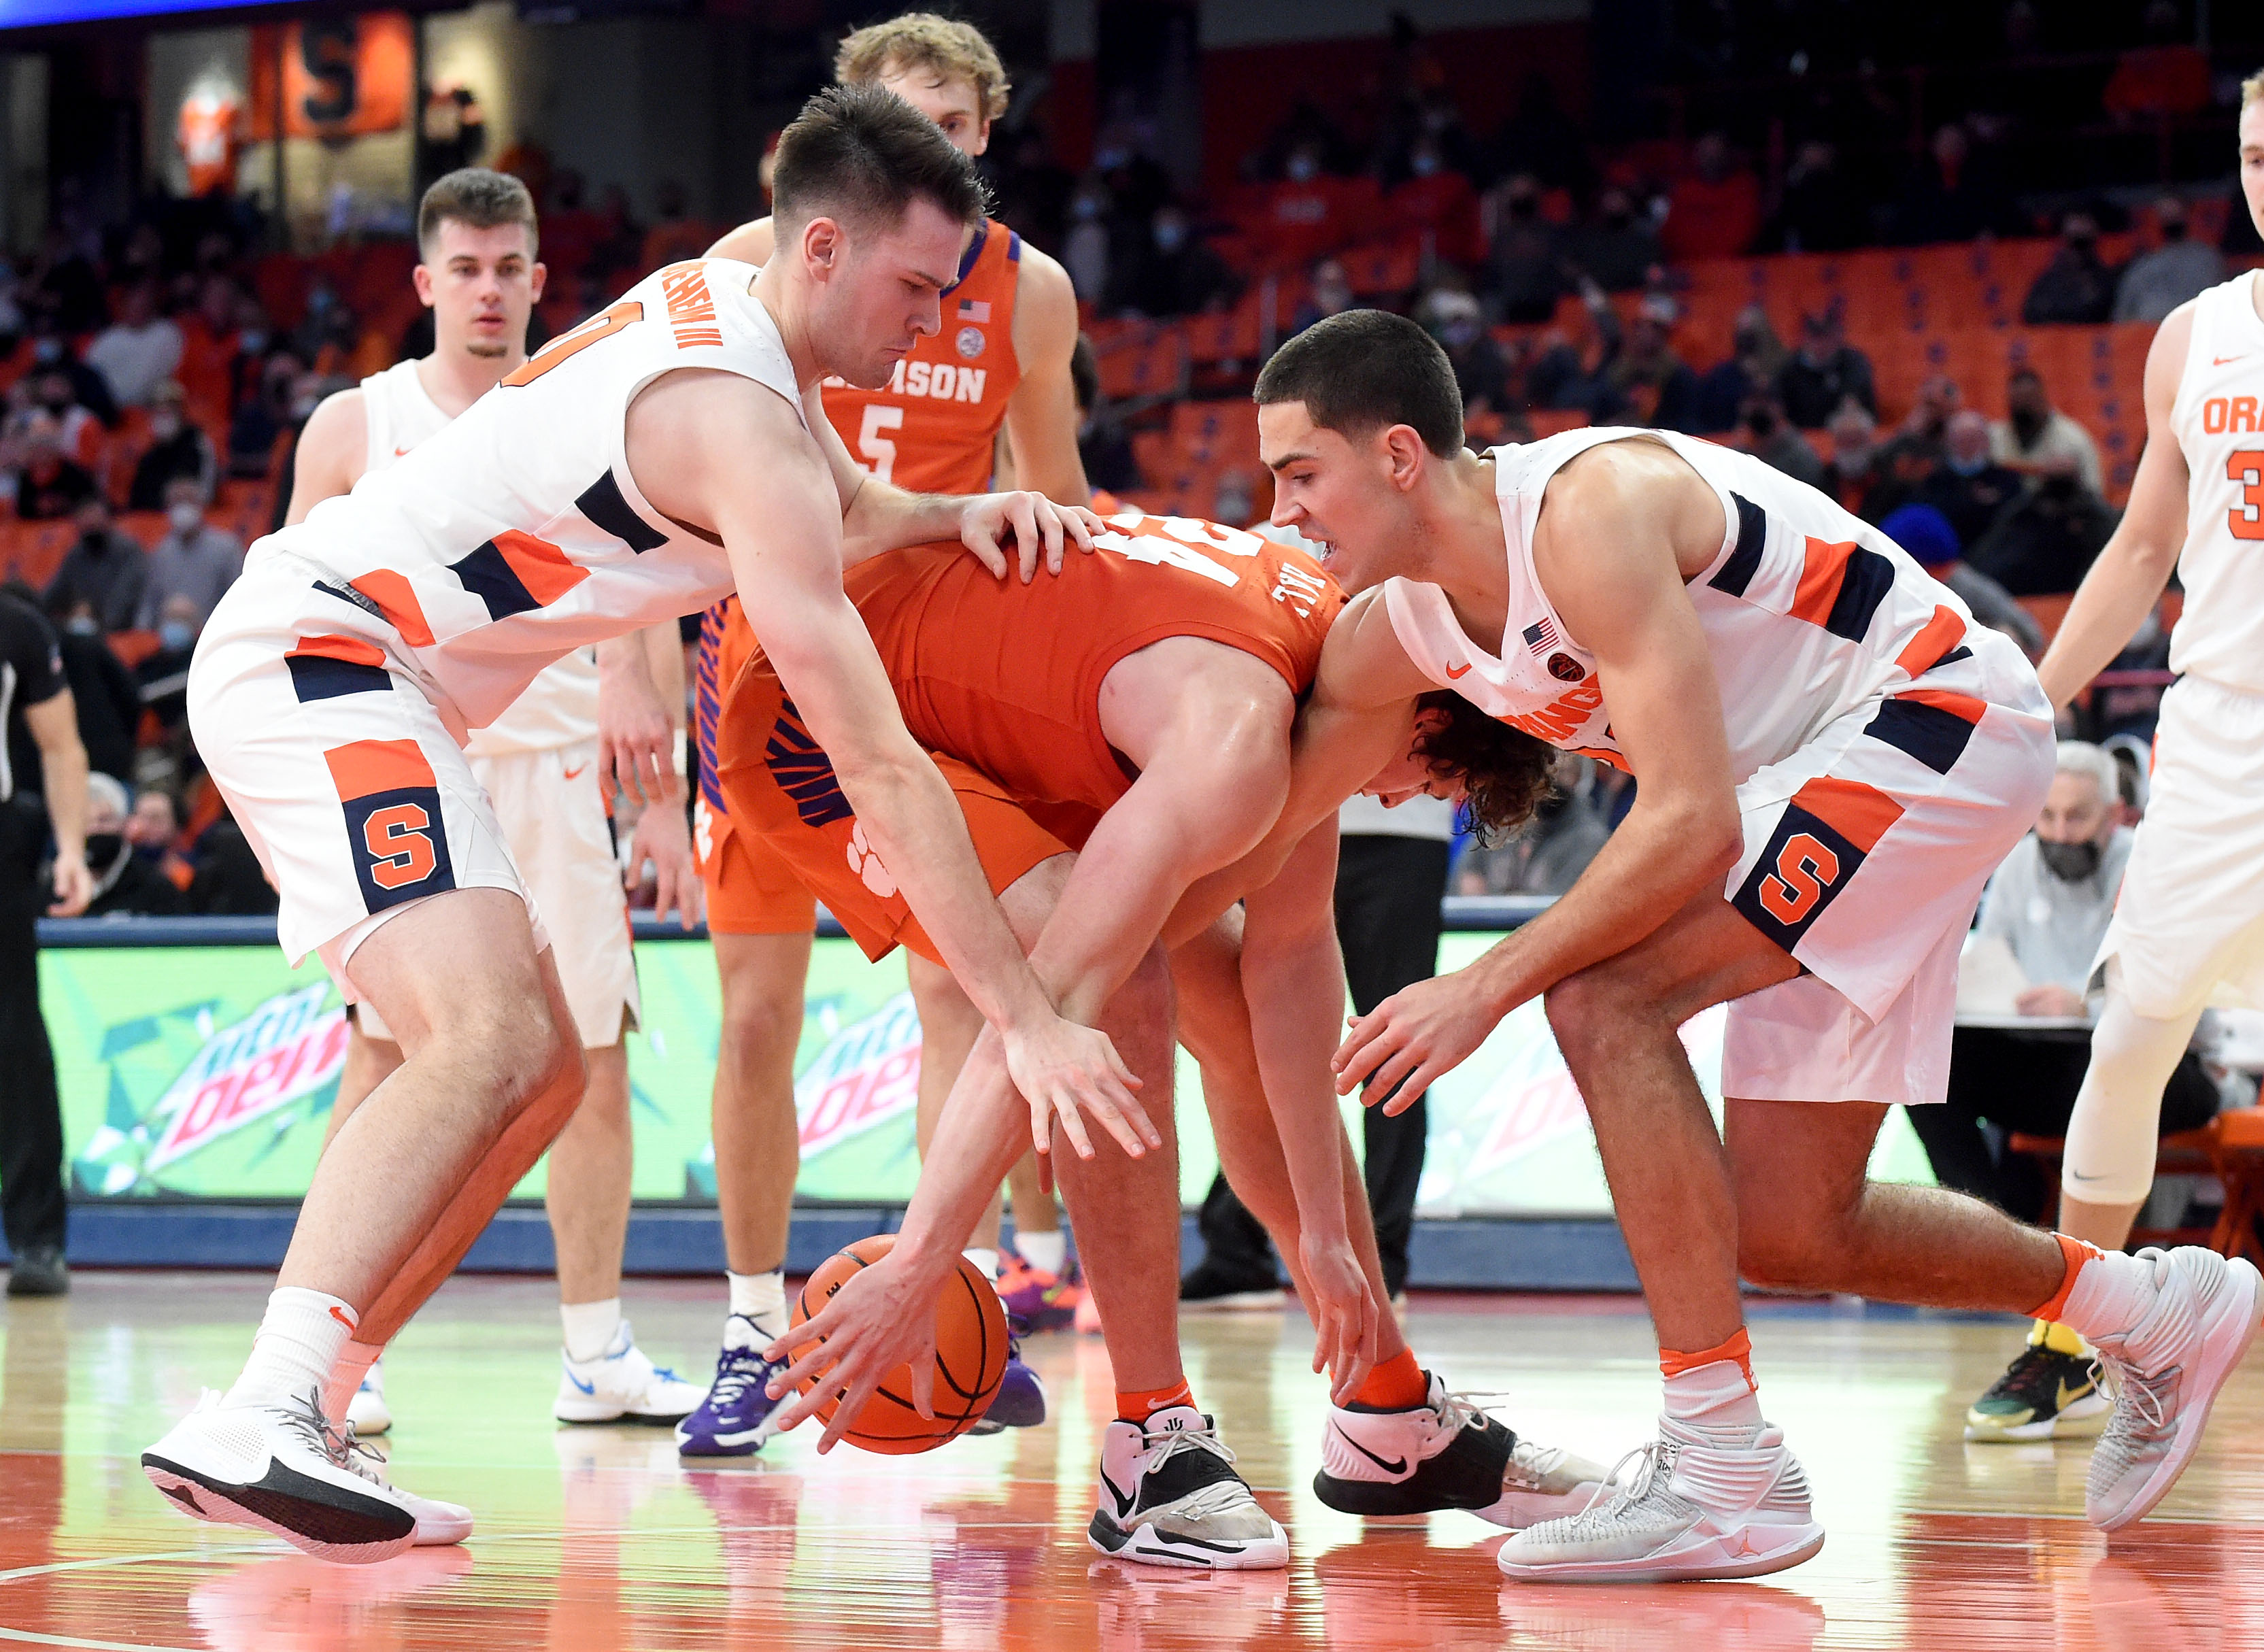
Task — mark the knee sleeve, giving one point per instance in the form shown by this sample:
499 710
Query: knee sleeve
2111 1135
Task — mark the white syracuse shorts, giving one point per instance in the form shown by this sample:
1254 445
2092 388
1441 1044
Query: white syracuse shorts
2188 927
1865 855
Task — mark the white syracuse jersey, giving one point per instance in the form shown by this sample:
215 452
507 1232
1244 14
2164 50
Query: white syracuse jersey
1808 611
560 706
517 534
2218 420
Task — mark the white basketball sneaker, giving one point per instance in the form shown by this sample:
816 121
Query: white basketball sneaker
2164 1372
1447 1453
1170 1496
623 1385
367 1410
276 1468
1691 1511
437 1523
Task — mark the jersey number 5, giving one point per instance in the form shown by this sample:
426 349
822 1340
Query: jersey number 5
627 313
877 451
2246 519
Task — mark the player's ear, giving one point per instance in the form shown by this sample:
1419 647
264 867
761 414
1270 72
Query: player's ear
824 246
421 278
536 277
1403 456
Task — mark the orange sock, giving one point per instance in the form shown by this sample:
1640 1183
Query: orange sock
1739 1348
2076 1253
1395 1385
1140 1404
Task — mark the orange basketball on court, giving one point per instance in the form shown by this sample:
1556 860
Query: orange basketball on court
970 1356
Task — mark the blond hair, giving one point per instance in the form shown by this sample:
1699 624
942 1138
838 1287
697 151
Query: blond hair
944 45
2252 90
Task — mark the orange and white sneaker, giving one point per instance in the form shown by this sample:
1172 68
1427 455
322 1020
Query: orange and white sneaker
1691 1511
1041 1301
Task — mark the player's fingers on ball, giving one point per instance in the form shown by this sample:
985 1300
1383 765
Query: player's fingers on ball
924 1385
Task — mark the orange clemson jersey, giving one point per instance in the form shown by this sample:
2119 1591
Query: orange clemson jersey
1006 676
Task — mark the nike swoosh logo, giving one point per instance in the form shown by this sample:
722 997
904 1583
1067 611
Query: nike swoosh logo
575 774
400 452
586 1387
338 1314
1399 1468
1455 674
2081 1177
2218 361
2068 1396
1123 1504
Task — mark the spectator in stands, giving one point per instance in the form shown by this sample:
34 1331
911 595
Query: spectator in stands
48 484
1564 835
104 695
77 427
154 829
162 674
1852 470
178 451
1933 543
124 882
208 347
229 882
2035 439
2156 283
1825 371
1481 369
1953 194
262 418
2050 903
2167 76
1086 249
1170 272
1770 437
1574 371
1713 211
195 559
1525 258
1101 443
1618 248
1656 387
138 351
2078 285
1331 295
104 566
1968 488
66 288
1823 210
2043 546
1755 359
1435 199
89 389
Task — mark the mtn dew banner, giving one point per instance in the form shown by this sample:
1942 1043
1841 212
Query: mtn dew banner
211 1071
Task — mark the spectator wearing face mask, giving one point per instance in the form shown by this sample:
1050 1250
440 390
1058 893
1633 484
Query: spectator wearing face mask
195 561
1852 470
1331 295
1934 545
2076 288
163 675
261 418
1526 271
2156 283
1769 439
1086 249
2037 439
1173 273
178 450
105 567
1618 249
1755 357
2043 545
1656 387
2049 904
138 351
1969 487
105 696
85 387
78 431
124 882
1481 370
1825 371
48 485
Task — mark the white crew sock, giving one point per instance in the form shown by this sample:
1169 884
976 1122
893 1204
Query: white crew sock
761 1299
298 1342
2111 1294
1715 1402
590 1327
1047 1252
354 1361
985 1261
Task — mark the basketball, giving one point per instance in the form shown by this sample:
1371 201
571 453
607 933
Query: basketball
970 1356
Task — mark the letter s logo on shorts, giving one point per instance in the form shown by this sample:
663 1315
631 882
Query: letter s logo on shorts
1818 847
393 820
1804 869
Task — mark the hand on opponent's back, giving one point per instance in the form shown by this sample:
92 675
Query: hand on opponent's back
1036 524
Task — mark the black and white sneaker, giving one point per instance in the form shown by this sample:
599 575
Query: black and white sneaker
1170 1496
1447 1453
278 1468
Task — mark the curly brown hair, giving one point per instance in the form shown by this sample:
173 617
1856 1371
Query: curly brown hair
1504 772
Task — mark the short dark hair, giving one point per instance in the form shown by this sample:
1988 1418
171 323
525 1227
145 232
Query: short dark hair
1505 772
863 152
1363 370
475 197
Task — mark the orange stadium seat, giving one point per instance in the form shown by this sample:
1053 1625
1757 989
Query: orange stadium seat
33 550
1149 359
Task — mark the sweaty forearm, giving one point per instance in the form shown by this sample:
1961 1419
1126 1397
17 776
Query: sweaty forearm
2113 599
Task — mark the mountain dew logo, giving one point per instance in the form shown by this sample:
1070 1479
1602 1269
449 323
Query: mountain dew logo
283 1049
868 1074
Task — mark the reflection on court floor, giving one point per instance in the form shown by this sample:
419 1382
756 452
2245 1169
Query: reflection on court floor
595 1538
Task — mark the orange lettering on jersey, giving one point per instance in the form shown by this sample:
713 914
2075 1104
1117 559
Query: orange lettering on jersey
2244 413
691 306
1562 716
2214 413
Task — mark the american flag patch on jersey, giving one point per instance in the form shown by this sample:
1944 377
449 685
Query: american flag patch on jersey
973 309
1540 636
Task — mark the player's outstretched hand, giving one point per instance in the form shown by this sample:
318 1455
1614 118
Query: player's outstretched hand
1065 1070
883 1317
663 838
1036 522
1344 1313
1420 1034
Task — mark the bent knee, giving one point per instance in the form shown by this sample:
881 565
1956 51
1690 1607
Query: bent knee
1591 1009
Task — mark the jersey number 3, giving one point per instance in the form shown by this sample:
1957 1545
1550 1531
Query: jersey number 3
2246 519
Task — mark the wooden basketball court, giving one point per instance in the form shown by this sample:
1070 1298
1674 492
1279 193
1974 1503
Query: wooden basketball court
597 1538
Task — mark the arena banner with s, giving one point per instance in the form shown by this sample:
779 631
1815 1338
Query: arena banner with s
210 1072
